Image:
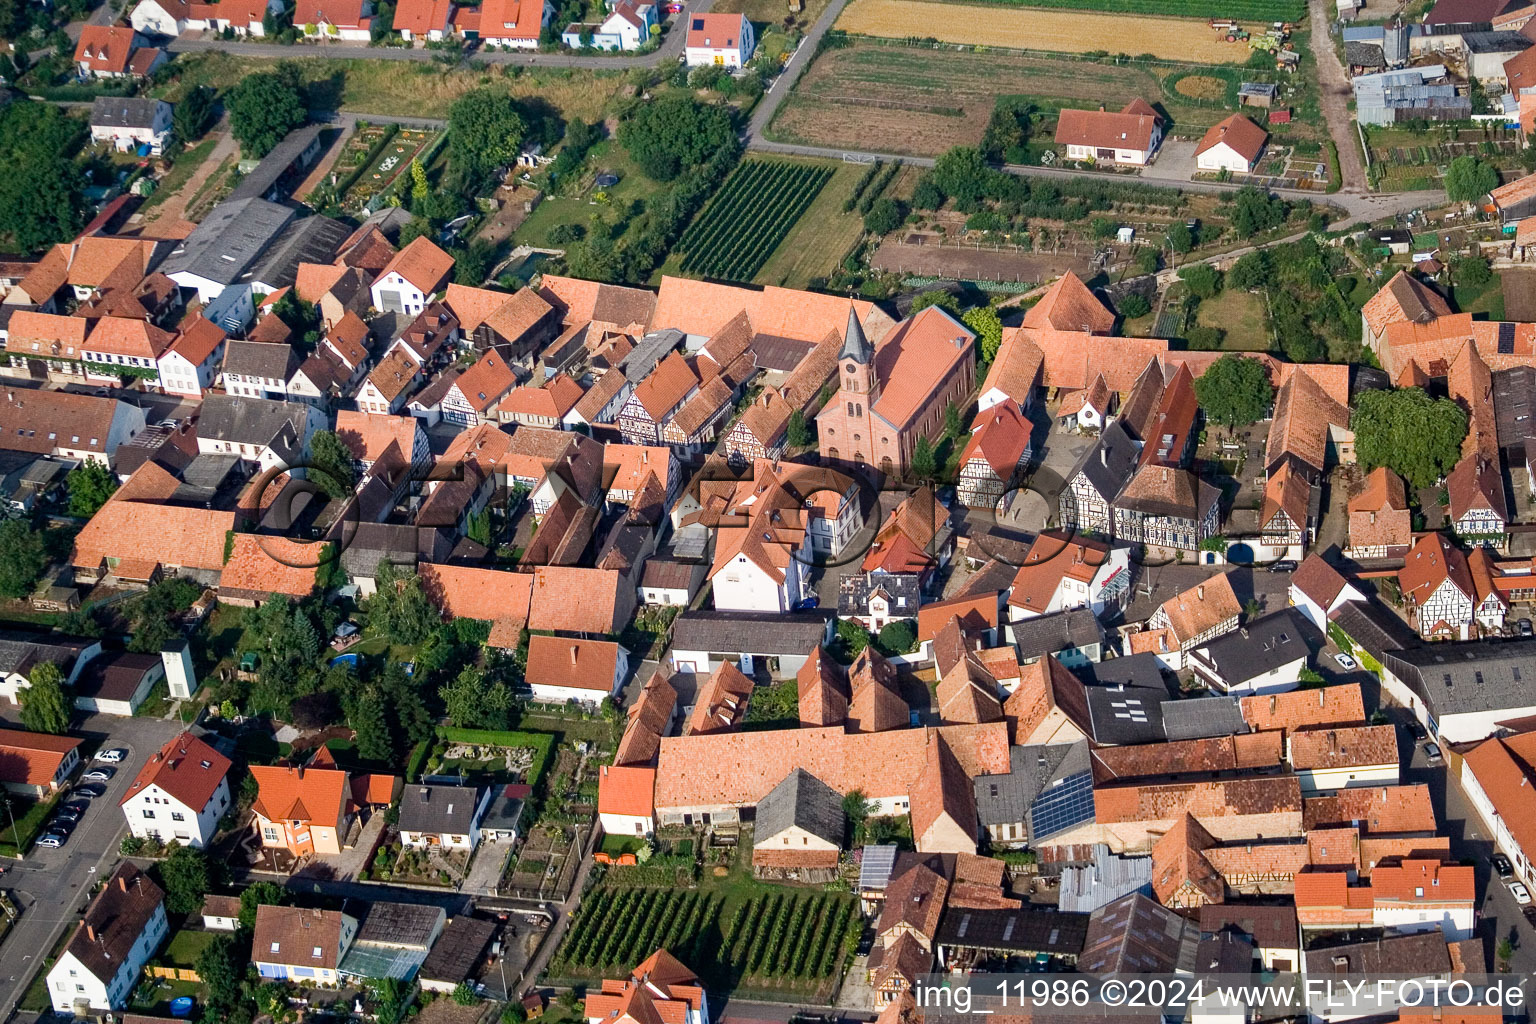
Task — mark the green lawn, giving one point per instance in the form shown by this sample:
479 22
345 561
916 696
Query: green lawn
27 825
1488 299
577 204
1241 315
186 946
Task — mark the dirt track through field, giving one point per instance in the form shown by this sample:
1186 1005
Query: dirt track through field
1062 31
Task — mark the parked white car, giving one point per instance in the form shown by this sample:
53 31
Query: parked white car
113 755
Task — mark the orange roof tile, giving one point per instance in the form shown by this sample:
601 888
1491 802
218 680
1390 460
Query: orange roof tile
579 664
1068 305
311 795
1301 709
32 758
1201 607
421 263
1377 809
186 768
626 790
134 523
916 360
260 564
1241 135
470 592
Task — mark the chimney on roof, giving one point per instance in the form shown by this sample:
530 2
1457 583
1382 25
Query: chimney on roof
90 931
574 649
122 883
1200 592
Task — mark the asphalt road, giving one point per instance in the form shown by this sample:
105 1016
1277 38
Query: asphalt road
671 49
1499 915
52 887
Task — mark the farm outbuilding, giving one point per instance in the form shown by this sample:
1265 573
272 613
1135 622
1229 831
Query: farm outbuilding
1257 94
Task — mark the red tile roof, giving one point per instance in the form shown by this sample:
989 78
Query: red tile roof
1068 305
32 758
1132 128
421 263
186 768
626 790
1241 135
106 48
286 793
578 664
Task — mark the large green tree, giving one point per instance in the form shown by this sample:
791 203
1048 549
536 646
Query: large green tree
1414 435
23 556
1468 179
264 107
221 966
1234 391
259 894
989 330
46 704
152 616
485 131
185 874
374 742
668 135
193 114
90 485
40 183
400 610
330 462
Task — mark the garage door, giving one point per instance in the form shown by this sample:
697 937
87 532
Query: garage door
392 303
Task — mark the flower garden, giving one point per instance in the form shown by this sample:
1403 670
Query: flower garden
373 158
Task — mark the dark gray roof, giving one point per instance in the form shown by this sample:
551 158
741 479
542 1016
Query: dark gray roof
1133 935
1228 951
903 588
767 633
1269 89
124 112
276 163
1047 634
1463 678
21 652
506 808
458 950
1110 463
775 353
399 924
649 351
875 866
1416 955
1125 699
1494 42
1514 404
1374 627
1203 717
229 241
260 359
440 809
1038 771
1271 927
855 345
1014 930
310 240
800 800
364 544
263 421
1263 645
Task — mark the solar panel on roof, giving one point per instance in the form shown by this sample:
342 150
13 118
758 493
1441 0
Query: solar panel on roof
1506 338
1064 806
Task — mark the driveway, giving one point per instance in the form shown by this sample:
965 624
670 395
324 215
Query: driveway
486 869
1175 162
53 887
1333 83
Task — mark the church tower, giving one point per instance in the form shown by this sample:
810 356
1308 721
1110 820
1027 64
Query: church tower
856 362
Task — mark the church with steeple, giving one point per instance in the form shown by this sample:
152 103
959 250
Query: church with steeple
889 397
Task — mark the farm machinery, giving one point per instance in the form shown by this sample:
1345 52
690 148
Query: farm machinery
1269 39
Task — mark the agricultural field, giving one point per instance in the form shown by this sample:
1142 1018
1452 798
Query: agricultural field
886 97
1242 10
745 221
1185 39
787 940
825 233
414 88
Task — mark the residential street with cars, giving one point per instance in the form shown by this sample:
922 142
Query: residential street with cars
50 886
